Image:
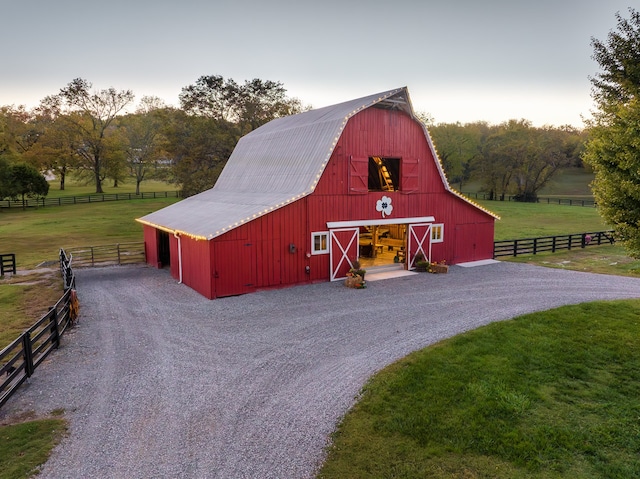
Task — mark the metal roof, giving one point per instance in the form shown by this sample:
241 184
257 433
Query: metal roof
275 164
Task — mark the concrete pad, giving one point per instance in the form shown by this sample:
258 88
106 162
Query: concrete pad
481 262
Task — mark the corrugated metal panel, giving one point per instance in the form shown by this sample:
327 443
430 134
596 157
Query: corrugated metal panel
270 167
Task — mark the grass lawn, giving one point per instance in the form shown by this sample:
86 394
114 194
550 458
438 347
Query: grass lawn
605 259
74 187
37 234
529 220
27 445
548 395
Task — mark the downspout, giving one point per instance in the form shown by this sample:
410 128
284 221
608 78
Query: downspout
177 236
429 236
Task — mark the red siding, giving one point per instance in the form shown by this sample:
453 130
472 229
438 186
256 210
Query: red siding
275 250
196 265
151 246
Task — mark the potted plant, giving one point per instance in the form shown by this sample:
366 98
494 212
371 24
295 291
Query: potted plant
440 267
420 263
355 276
357 269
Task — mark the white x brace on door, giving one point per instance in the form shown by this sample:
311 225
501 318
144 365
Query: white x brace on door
419 241
343 249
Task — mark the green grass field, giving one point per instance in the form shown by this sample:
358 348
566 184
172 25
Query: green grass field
547 395
529 220
37 234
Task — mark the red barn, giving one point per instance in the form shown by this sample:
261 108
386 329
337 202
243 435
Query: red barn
303 197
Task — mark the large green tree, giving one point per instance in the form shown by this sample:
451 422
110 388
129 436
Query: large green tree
216 113
459 147
613 148
89 116
18 132
248 106
198 147
143 138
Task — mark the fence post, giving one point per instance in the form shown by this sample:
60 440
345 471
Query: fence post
55 332
92 262
535 245
553 245
583 240
27 354
118 249
515 248
570 241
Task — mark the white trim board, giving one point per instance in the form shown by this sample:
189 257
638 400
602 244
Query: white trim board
386 221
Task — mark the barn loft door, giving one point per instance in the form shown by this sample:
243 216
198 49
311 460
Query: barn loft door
343 251
418 241
359 174
410 175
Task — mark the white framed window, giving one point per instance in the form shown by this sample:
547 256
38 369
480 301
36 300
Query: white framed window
437 233
320 242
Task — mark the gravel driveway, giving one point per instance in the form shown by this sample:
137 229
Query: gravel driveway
159 382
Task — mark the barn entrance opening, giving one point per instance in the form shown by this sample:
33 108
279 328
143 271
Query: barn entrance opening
164 251
382 245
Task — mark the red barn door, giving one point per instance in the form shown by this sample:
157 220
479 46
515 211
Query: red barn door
234 268
343 251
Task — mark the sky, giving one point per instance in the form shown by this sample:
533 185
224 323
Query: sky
462 60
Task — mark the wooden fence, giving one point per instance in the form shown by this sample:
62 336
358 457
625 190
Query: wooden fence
97 198
19 359
546 200
106 255
7 263
551 243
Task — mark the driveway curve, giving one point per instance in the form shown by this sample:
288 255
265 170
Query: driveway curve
157 381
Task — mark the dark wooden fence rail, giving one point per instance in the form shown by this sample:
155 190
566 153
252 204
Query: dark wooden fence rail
19 359
106 255
551 243
97 198
7 263
547 200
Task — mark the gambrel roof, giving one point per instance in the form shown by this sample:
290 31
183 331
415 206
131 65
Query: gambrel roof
272 166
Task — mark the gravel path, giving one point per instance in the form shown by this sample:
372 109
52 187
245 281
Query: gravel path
158 382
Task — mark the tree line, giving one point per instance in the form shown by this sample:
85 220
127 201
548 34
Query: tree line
512 158
92 134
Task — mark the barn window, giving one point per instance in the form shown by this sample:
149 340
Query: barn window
384 174
437 233
320 242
